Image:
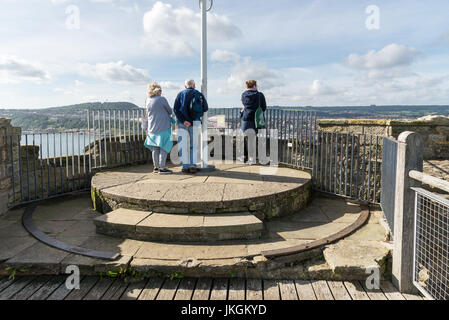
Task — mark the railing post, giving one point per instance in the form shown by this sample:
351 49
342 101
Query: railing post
409 157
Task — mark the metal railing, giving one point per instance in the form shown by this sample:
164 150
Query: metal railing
348 165
431 238
342 164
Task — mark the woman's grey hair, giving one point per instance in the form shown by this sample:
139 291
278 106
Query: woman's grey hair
154 90
190 83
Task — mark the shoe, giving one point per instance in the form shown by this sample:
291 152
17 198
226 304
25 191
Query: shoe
156 170
193 170
165 171
251 162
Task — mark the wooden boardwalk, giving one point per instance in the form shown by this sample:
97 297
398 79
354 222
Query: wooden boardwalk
96 288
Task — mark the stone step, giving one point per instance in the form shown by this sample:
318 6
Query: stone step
151 226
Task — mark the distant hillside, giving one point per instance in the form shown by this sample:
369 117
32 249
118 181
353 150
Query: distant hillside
374 112
59 118
74 116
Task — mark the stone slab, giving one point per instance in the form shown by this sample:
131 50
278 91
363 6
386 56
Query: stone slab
304 230
171 251
10 247
179 227
123 219
353 257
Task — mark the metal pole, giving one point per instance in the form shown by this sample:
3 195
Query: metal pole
204 141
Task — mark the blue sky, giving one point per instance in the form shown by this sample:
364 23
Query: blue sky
303 53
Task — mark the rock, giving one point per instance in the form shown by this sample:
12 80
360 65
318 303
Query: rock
437 119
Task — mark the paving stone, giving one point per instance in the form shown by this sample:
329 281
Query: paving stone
54 227
351 258
80 228
141 190
199 193
304 230
42 257
11 246
123 219
170 251
12 215
14 229
370 231
125 247
311 214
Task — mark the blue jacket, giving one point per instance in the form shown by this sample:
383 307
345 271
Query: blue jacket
250 100
182 104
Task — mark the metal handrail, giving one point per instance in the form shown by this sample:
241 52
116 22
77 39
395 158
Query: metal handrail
429 180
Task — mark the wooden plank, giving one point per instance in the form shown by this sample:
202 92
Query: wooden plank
202 290
31 288
46 290
185 289
254 289
271 290
236 289
305 290
6 282
288 290
61 292
168 290
15 287
134 290
151 289
411 296
219 289
390 291
322 290
99 289
373 294
85 286
116 290
338 290
356 290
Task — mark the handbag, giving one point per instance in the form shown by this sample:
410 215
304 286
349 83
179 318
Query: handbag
259 118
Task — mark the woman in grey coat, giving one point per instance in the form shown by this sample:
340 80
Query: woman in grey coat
159 137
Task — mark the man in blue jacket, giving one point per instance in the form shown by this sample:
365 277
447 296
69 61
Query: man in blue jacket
189 109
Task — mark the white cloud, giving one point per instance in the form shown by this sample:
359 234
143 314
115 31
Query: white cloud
391 56
16 70
248 69
168 85
318 88
224 56
176 31
115 72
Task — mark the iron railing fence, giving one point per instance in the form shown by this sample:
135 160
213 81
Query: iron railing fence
56 163
119 137
348 165
43 165
431 246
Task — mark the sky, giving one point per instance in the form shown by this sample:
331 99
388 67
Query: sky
302 52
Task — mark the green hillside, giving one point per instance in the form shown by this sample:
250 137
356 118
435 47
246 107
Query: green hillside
59 118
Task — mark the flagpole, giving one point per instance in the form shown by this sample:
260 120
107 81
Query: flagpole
204 140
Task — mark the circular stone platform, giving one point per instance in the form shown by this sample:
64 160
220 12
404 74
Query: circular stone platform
263 191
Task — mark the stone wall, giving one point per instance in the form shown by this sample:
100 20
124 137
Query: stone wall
5 161
434 131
